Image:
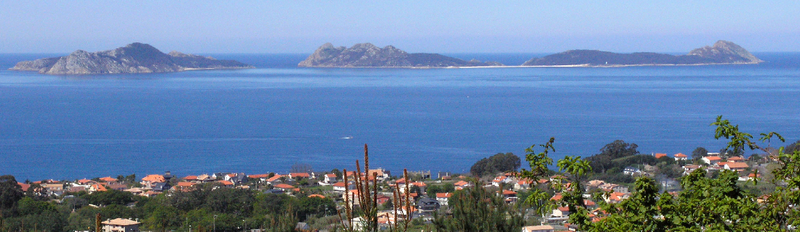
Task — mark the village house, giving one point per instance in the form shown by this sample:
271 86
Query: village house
660 155
150 180
184 186
426 205
284 187
712 160
274 179
259 177
509 196
116 186
351 197
736 166
749 177
443 198
689 168
542 228
190 178
560 214
632 171
735 159
205 178
523 184
461 185
681 157
299 175
120 225
329 178
382 174
340 187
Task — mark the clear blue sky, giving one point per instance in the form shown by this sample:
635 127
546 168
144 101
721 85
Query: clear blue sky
415 26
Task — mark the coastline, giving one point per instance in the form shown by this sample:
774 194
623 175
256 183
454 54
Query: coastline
537 66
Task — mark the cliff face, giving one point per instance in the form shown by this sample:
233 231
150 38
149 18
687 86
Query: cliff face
133 58
722 52
368 55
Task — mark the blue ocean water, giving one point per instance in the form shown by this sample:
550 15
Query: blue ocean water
267 119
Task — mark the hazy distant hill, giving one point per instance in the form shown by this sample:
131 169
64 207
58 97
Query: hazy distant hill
723 52
370 56
133 58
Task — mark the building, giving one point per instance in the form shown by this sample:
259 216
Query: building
443 198
542 228
712 160
736 166
632 171
120 225
660 155
681 156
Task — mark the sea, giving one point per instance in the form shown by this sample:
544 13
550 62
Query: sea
278 116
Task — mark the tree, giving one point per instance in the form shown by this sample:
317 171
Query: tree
615 154
301 168
699 153
475 209
10 193
497 163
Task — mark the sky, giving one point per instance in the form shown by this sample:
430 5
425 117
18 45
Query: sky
415 26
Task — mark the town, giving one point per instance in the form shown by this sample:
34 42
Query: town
306 200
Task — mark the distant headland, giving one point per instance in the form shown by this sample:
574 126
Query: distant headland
722 52
366 55
133 58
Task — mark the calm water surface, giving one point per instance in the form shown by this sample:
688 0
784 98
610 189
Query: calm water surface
267 119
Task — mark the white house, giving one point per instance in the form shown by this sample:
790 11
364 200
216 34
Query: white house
681 156
712 160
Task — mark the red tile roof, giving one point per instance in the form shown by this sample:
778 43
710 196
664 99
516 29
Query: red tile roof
444 195
24 186
300 174
737 165
317 195
154 178
99 187
258 176
274 178
225 182
680 155
659 155
190 178
284 186
108 179
712 158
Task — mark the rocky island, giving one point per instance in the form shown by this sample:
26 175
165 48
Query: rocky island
133 58
722 52
366 55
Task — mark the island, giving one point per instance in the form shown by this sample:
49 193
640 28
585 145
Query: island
133 58
366 55
722 52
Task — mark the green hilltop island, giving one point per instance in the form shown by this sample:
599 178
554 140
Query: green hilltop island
367 55
722 52
133 58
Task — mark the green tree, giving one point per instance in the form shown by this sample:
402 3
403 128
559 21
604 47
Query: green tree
475 209
499 162
699 153
10 193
